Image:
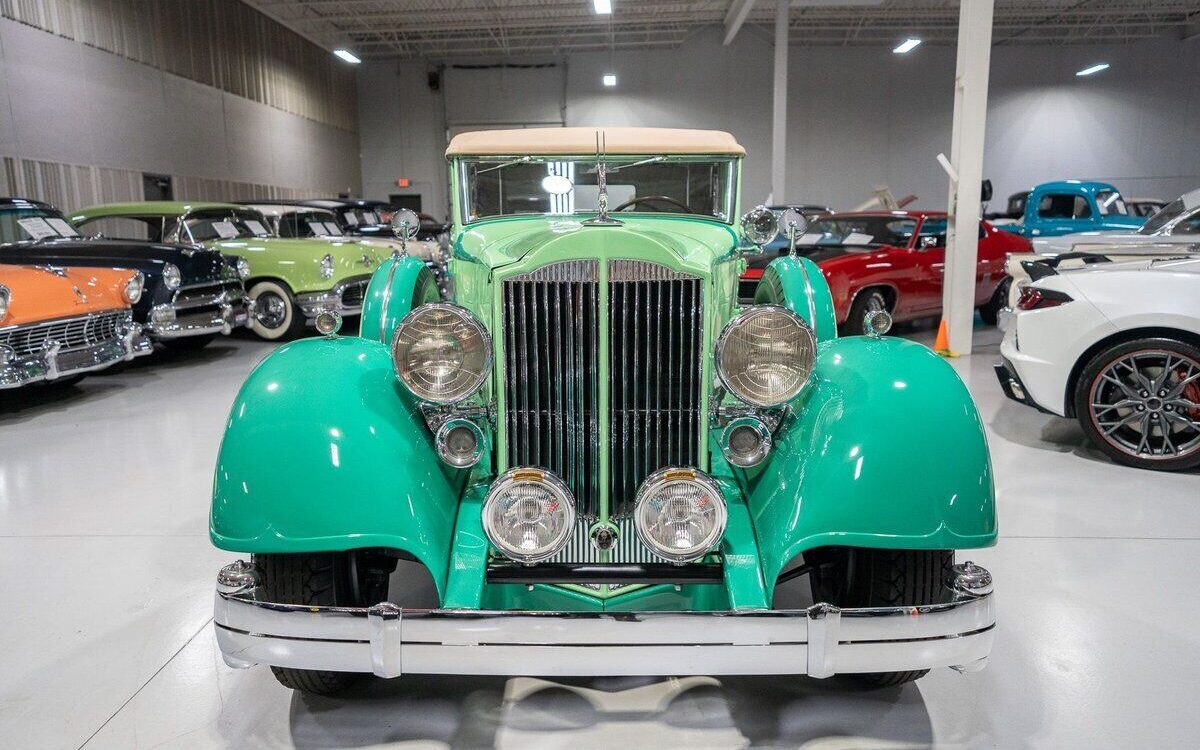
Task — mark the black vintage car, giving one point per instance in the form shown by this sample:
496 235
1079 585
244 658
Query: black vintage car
368 218
191 293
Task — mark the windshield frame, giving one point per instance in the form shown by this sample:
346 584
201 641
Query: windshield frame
462 182
242 213
43 212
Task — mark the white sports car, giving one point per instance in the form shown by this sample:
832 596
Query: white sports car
1173 230
1116 345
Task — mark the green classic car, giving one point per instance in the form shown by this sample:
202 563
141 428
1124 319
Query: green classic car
593 461
290 281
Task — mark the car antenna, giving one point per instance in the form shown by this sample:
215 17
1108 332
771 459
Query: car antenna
602 218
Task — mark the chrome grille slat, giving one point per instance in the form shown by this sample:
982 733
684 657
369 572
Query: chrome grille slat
627 550
551 320
70 333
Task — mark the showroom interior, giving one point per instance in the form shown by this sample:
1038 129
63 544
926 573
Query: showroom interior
525 373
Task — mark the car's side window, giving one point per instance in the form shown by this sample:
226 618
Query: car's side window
1063 206
932 234
125 228
1188 226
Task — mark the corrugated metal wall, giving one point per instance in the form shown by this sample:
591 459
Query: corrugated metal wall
222 43
73 186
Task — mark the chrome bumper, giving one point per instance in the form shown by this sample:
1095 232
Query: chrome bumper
53 363
312 303
389 640
199 316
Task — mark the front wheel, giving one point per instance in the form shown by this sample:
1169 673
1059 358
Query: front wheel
1139 402
323 579
867 302
857 577
276 314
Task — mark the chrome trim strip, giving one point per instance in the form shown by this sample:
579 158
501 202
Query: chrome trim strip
389 640
55 360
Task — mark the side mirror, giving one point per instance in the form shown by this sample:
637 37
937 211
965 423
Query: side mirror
793 223
927 241
760 226
405 224
985 191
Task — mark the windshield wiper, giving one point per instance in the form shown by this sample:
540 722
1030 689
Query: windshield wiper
522 160
610 170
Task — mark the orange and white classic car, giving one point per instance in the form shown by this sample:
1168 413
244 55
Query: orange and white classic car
59 323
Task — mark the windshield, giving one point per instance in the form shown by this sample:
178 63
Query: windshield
225 224
26 222
315 223
895 231
1111 203
542 186
1160 220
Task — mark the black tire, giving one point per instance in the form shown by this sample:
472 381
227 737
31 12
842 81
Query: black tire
856 577
320 579
1154 412
867 300
990 310
189 343
277 317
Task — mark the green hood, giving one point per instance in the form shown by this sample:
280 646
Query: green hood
696 243
298 261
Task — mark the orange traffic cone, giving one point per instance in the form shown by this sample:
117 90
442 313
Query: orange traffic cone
941 345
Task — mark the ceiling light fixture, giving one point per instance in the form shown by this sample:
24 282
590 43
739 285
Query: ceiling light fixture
1094 69
908 45
603 7
610 79
347 55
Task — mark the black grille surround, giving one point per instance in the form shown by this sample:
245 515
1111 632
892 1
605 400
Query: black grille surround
553 383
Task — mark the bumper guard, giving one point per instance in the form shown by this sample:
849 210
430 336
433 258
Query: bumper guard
389 640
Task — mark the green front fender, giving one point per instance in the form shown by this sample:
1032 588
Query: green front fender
397 286
799 285
325 451
885 449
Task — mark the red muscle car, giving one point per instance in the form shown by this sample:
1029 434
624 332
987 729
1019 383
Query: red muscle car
892 260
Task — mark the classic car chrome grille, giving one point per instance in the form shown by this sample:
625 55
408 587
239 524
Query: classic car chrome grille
70 333
552 388
551 375
352 296
654 374
627 551
198 296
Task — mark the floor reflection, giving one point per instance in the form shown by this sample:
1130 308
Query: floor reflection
615 713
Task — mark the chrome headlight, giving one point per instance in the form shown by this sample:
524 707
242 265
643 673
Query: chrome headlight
441 353
680 514
5 298
327 267
171 276
243 268
765 355
529 515
133 288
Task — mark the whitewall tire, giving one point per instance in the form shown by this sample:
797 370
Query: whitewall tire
276 315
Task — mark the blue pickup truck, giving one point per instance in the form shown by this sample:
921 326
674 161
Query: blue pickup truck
1057 208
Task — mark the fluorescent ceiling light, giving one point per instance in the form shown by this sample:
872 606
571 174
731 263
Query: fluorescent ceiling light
603 7
610 79
347 55
908 45
1094 69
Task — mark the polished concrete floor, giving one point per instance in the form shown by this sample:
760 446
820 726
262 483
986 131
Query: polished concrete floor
106 579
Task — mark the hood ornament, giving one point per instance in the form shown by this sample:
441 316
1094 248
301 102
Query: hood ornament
602 218
82 297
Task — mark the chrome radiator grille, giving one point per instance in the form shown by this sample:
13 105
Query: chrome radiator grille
72 333
553 386
551 375
654 372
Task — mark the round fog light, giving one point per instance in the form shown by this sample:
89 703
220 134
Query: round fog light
746 441
528 515
680 514
459 443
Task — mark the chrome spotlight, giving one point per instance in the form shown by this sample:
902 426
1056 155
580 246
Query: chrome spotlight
459 442
746 441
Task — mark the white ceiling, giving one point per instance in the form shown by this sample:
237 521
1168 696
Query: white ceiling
461 29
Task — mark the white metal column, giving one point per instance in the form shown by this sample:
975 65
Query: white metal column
966 154
779 115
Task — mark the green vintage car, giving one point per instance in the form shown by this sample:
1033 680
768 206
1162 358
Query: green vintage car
291 280
593 461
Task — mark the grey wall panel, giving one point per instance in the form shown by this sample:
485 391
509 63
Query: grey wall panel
858 117
78 105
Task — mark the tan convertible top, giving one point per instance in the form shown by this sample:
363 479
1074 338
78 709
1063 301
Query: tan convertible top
578 141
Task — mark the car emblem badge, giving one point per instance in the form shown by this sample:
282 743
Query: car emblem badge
367 260
82 297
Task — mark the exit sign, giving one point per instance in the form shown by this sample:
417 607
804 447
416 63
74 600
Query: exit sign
403 182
